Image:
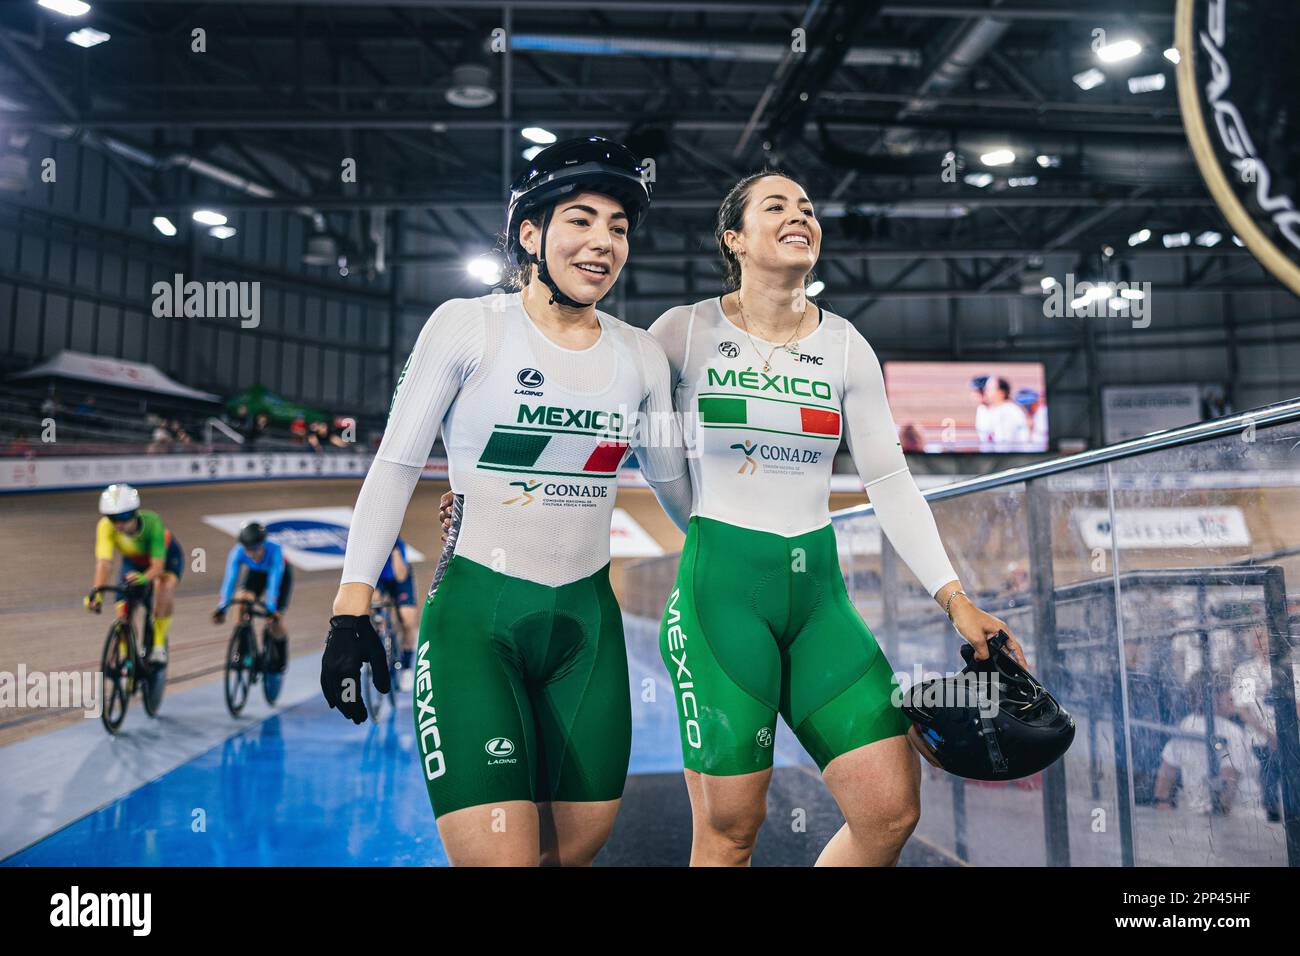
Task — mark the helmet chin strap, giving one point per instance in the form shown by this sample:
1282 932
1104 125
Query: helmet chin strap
543 273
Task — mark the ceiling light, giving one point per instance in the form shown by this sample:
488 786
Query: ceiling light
1146 84
1119 50
1023 181
998 157
221 232
1134 294
1172 55
978 179
1176 240
1089 78
1048 162
532 151
485 268
1236 241
1139 237
1209 239
69 8
164 225
535 134
815 288
1047 284
87 37
209 217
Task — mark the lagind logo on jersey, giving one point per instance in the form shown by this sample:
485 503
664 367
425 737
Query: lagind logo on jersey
318 537
530 380
500 749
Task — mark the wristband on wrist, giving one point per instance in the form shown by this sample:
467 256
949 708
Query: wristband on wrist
947 605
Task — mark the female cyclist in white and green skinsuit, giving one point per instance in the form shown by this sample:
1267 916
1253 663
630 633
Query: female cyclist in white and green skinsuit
521 700
759 621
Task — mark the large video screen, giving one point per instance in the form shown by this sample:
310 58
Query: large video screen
946 407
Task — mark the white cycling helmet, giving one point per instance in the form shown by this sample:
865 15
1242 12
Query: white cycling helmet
118 500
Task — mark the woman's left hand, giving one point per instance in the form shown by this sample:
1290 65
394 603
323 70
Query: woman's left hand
978 626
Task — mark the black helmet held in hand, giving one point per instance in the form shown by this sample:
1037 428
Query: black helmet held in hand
252 534
993 721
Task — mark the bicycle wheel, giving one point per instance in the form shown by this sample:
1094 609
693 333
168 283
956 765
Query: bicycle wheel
272 675
153 682
115 665
238 674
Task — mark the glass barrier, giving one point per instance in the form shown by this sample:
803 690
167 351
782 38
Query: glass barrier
1150 593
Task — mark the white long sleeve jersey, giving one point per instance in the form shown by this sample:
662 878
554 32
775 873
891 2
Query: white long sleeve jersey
761 445
535 436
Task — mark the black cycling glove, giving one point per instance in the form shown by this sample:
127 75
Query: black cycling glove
352 641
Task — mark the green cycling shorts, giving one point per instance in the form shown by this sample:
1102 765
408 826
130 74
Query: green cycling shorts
521 690
759 623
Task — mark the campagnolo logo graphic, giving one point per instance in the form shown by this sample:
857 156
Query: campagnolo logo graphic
530 380
1249 176
764 737
729 349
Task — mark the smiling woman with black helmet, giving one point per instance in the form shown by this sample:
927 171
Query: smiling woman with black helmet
521 690
759 621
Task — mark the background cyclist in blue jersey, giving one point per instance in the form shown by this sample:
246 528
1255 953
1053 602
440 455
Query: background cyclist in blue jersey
269 578
397 580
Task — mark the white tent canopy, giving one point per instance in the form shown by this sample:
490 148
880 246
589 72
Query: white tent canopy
111 371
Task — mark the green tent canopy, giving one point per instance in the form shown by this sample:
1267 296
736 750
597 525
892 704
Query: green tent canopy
278 409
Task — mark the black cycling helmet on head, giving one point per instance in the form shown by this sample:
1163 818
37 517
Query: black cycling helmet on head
251 534
959 728
587 164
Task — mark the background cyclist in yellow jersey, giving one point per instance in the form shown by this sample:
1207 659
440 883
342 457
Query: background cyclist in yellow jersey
149 554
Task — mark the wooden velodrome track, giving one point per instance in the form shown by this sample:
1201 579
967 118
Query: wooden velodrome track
48 558
46 564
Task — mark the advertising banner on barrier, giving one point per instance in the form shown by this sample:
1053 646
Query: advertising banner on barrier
1223 527
69 474
313 539
1133 411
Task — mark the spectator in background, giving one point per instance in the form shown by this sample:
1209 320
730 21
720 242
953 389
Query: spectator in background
19 445
1254 699
239 420
49 405
1006 428
320 434
1209 788
1035 410
87 411
981 406
261 423
178 433
161 438
911 439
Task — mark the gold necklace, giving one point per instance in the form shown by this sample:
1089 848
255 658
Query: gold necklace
767 362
